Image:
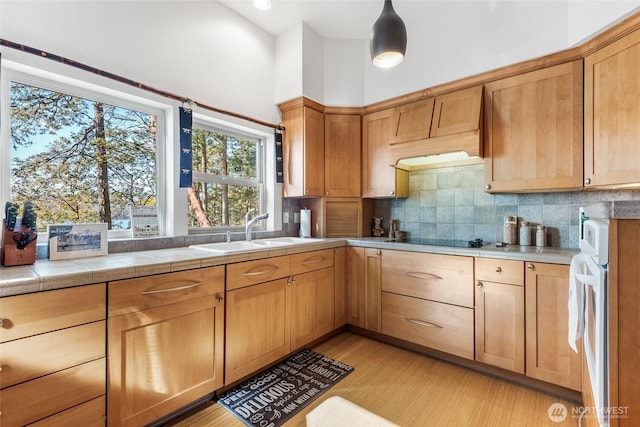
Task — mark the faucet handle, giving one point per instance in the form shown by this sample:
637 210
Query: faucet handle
247 216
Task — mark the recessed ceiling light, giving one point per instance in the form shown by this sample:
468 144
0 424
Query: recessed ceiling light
262 4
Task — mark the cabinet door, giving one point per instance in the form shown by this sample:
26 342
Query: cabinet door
457 112
549 357
340 286
379 179
355 286
342 155
533 132
303 152
500 325
312 306
612 114
373 288
411 121
257 328
163 358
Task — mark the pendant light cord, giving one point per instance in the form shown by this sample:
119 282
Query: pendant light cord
124 80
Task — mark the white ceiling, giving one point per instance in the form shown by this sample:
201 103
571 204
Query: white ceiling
342 19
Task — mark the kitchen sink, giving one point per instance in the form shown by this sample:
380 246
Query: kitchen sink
228 247
285 241
243 245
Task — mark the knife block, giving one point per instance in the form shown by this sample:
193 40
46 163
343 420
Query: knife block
10 254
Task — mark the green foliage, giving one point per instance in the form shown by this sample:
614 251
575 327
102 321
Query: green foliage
55 163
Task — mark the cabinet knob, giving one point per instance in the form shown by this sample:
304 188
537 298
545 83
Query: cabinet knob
378 252
326 194
219 298
487 187
479 285
392 192
587 181
530 267
498 269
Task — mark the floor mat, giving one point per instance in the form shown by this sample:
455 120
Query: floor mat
276 394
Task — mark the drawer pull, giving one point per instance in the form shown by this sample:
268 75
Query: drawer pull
178 288
259 272
1 321
422 323
313 260
419 275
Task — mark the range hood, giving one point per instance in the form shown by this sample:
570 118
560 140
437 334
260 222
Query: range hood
437 131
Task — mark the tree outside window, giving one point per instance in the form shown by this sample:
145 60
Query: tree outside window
227 178
80 160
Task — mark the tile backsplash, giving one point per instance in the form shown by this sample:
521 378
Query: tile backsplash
450 203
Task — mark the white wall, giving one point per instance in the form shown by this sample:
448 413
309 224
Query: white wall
344 72
197 49
288 65
587 18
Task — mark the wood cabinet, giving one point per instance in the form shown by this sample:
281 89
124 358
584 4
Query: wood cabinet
364 275
165 340
340 216
379 178
457 112
343 155
500 313
52 346
340 286
548 355
303 148
275 306
411 121
612 114
623 321
427 299
533 130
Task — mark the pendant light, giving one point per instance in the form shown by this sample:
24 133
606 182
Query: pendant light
388 38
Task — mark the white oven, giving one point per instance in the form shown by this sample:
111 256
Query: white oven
589 275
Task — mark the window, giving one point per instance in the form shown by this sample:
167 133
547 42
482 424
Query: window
80 156
228 178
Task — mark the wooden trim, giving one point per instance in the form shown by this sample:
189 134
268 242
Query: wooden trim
302 101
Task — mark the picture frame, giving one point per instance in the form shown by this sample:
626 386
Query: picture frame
70 241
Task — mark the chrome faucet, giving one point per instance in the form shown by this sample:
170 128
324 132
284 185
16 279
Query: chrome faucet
250 221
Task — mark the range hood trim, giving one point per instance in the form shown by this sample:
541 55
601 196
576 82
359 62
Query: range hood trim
469 142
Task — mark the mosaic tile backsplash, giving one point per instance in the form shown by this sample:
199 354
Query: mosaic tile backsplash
450 203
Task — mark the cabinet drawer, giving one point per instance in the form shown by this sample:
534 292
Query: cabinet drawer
500 271
443 327
90 414
310 261
33 400
36 356
37 313
131 295
442 278
261 270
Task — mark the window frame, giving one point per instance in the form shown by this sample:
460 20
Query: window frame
203 122
13 72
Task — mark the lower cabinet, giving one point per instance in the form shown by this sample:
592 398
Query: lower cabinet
267 320
364 276
340 286
165 343
549 357
427 299
52 346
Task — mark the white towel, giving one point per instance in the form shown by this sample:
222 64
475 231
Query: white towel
576 299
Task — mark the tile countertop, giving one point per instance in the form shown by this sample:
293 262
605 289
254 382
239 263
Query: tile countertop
47 275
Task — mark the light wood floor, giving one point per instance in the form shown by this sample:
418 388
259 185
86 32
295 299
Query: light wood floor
411 389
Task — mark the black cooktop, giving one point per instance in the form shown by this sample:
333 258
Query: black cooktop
476 243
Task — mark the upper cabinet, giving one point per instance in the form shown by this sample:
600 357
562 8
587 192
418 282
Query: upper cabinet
342 155
379 178
303 148
411 121
533 130
612 114
447 123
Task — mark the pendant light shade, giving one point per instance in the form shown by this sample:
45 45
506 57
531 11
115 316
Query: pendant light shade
388 38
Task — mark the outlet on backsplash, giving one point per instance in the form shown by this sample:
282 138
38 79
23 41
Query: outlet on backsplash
285 218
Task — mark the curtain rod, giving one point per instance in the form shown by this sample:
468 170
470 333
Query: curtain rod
84 67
